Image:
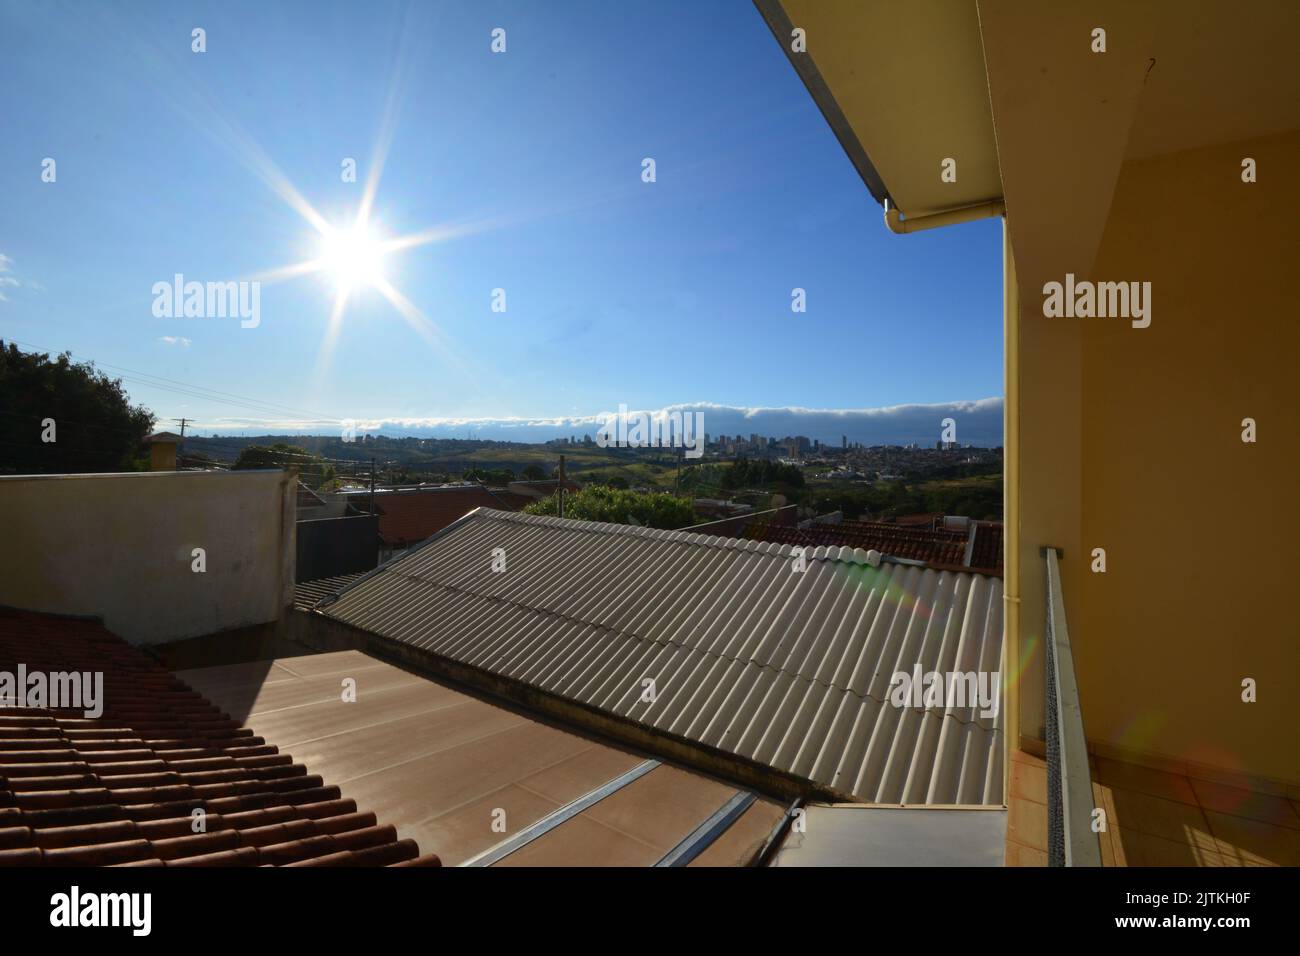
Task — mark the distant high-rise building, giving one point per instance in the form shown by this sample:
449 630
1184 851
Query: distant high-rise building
844 442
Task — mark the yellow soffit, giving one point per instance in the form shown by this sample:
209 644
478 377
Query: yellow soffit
902 84
1070 112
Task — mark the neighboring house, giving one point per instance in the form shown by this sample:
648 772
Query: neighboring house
409 516
719 508
163 448
332 546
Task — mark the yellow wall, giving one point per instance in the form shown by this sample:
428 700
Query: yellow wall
1201 531
162 456
1049 401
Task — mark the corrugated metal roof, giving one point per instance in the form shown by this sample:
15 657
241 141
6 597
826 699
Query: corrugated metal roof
307 593
790 670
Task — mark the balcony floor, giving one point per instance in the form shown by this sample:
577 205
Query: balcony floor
1157 818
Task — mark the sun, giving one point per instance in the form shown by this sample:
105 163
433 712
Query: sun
352 256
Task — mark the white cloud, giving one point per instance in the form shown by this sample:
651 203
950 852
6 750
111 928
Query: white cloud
7 280
175 340
978 422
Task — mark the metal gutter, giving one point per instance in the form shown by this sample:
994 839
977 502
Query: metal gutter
775 16
552 820
950 217
776 835
703 836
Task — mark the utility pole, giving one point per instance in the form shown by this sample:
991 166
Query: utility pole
561 492
183 422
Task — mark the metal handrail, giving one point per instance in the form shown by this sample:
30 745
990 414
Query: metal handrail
1071 840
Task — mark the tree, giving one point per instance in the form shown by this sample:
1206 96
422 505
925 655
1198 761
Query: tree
62 417
534 473
613 505
743 473
279 455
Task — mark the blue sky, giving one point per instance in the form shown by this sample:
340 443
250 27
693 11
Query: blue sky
617 291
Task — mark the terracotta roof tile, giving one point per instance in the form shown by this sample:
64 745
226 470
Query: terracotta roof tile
986 552
944 548
119 789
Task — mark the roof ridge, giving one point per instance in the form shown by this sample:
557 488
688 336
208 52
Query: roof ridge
856 556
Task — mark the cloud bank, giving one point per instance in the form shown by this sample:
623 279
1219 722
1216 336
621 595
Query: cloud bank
977 423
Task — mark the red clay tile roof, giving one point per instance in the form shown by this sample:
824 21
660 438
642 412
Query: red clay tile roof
933 547
987 549
925 519
408 517
120 789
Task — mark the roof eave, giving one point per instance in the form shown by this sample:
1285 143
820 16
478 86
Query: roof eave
778 22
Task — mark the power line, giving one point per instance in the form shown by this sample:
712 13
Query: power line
217 396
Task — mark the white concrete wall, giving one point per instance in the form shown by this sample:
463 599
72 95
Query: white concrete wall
120 547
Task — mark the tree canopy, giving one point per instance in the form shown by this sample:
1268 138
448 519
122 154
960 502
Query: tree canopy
63 417
742 474
279 455
614 505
